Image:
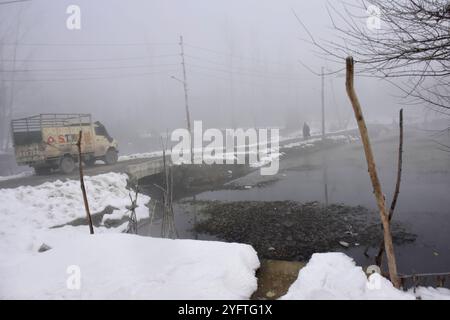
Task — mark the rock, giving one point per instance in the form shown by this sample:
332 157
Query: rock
351 233
344 244
44 248
270 294
288 224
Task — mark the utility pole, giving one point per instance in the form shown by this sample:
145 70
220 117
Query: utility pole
186 100
9 112
322 75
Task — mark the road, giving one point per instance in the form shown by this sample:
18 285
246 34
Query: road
121 166
88 171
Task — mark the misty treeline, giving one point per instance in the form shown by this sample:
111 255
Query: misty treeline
242 61
406 42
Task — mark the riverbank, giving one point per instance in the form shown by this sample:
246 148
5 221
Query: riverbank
288 230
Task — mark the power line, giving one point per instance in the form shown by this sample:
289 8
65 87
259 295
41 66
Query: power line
89 68
206 60
253 84
242 69
90 60
90 78
234 55
137 44
237 72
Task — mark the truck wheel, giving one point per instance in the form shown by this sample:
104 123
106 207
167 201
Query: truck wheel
90 162
67 165
111 156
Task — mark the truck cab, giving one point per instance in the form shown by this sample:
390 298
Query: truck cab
48 141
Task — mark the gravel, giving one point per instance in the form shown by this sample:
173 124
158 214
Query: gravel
289 230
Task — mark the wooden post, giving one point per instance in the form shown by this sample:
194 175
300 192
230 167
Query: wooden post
389 247
83 188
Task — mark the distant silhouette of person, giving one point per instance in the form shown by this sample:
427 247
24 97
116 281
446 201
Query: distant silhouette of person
306 131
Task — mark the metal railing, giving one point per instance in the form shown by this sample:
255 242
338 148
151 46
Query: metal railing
45 120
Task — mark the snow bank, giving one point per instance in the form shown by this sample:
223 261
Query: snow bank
16 176
113 265
303 143
143 155
429 293
334 275
123 266
313 140
27 213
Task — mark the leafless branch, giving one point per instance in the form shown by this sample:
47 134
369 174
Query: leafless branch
411 44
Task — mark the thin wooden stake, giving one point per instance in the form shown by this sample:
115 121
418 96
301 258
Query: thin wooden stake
379 257
389 247
83 188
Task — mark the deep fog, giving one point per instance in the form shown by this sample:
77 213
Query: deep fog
242 62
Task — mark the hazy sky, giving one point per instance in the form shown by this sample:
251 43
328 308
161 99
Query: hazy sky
241 56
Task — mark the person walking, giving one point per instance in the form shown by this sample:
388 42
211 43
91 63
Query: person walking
306 131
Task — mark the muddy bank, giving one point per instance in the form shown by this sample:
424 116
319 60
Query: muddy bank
190 180
288 230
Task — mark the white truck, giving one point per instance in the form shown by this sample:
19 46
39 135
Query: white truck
48 141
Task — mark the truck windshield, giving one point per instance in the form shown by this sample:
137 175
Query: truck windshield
100 130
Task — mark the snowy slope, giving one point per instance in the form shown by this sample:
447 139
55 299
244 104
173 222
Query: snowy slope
26 213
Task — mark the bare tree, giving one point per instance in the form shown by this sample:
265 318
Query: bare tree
168 229
8 64
406 42
387 236
4 92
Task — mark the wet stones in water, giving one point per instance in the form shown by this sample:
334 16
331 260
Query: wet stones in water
289 230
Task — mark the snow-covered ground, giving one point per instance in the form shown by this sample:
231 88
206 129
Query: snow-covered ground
27 213
114 265
334 275
316 132
313 140
123 266
17 176
143 155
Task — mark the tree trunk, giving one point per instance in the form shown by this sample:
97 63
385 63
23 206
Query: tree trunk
389 247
